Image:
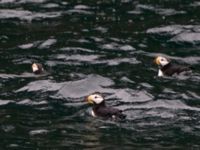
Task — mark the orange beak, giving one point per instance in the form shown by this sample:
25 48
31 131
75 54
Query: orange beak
156 61
89 100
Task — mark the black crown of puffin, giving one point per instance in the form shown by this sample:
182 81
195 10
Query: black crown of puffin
167 68
37 68
100 109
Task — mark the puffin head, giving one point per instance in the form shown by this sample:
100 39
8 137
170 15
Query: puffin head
161 61
37 68
95 98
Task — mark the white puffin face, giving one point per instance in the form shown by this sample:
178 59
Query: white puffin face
162 61
95 98
35 67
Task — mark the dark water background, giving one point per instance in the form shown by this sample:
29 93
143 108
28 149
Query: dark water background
105 46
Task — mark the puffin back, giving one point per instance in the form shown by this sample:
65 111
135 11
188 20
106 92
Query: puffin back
171 69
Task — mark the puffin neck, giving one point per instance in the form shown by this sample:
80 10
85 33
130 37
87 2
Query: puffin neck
166 66
102 104
98 107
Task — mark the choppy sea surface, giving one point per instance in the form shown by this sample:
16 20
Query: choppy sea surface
105 46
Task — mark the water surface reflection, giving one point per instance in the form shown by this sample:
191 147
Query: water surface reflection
105 46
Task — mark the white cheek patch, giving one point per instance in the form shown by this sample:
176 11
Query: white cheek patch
163 63
98 100
35 68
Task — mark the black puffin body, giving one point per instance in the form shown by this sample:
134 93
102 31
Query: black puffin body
37 68
107 112
171 69
101 110
167 68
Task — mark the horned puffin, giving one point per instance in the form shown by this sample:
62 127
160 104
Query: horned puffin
166 68
101 110
37 68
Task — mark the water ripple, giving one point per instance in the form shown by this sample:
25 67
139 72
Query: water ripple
179 33
26 15
41 85
38 132
84 87
160 11
104 46
5 102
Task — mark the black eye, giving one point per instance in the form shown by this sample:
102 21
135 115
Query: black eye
162 59
95 97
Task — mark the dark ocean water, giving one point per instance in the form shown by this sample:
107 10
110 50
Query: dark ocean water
105 46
